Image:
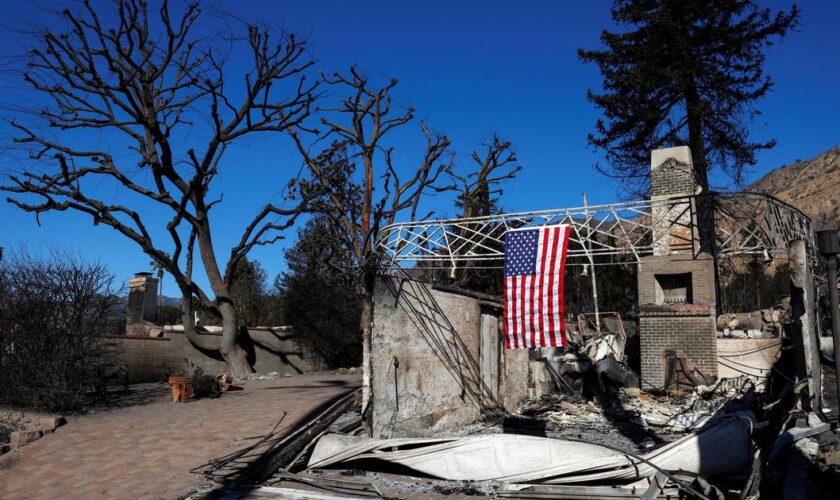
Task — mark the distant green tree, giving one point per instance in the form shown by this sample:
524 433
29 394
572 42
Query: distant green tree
320 297
683 72
169 315
249 291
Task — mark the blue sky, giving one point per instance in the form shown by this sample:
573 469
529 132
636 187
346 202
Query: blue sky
470 68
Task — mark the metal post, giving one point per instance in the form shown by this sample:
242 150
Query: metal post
835 318
828 244
592 267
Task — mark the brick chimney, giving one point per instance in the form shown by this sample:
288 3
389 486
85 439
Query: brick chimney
676 284
672 175
142 303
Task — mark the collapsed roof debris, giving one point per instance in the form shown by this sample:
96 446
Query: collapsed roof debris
633 411
517 458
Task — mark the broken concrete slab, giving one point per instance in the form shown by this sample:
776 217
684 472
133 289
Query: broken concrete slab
20 438
52 423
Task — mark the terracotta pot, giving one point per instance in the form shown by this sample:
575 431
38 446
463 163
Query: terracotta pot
182 388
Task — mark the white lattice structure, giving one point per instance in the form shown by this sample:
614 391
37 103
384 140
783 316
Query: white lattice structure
746 223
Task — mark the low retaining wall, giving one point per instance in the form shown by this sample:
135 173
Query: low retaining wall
152 359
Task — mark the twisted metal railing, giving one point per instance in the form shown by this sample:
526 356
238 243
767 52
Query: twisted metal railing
751 223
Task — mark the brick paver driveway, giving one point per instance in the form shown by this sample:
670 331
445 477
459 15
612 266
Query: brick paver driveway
147 451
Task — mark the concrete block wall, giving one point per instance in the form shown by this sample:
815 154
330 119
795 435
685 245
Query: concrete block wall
429 350
151 359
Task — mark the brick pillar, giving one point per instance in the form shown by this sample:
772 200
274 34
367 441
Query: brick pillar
142 303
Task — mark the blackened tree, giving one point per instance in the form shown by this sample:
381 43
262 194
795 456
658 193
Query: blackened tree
361 203
683 72
479 189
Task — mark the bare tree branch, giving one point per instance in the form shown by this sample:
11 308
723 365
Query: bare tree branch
495 164
142 78
360 122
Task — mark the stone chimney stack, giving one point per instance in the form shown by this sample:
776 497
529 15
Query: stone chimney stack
142 303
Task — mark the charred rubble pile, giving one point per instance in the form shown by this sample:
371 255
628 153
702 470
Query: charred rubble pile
634 420
587 431
729 406
591 437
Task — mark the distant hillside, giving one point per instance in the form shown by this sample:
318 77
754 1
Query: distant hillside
167 301
812 186
172 301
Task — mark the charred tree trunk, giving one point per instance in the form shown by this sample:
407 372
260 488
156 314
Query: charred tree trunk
366 291
228 346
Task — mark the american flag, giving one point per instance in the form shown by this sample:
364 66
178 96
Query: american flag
535 262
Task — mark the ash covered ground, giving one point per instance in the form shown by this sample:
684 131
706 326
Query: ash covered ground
630 420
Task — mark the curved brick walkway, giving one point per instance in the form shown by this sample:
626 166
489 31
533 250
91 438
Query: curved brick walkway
147 451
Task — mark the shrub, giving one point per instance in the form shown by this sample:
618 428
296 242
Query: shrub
206 386
54 312
325 316
169 315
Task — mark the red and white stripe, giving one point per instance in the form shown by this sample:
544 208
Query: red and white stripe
534 312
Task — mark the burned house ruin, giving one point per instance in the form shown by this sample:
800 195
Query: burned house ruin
436 359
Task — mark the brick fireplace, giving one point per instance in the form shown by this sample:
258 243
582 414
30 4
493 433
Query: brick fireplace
676 313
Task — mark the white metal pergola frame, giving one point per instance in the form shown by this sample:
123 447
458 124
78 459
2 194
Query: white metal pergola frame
745 223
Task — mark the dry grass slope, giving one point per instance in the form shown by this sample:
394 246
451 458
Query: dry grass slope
812 186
